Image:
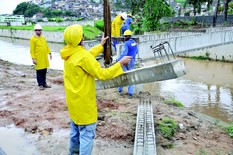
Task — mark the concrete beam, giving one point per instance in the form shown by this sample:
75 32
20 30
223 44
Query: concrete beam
153 73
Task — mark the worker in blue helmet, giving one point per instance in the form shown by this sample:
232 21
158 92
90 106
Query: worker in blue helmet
130 48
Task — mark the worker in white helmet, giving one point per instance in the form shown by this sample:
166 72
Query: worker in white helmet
39 51
116 26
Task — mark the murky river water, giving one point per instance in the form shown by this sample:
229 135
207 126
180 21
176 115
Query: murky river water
207 87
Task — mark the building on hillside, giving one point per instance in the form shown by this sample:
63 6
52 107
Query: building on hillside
46 4
37 1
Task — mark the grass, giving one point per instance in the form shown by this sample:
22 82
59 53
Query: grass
180 1
89 31
229 130
167 127
174 102
199 58
202 151
45 28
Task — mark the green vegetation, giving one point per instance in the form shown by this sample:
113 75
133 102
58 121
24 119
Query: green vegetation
28 10
200 58
99 24
180 1
89 31
174 102
135 6
45 28
167 127
229 130
153 11
201 152
148 13
197 4
230 8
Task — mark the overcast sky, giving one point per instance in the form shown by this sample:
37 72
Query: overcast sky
7 6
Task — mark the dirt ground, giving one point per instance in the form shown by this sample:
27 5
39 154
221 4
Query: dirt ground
44 116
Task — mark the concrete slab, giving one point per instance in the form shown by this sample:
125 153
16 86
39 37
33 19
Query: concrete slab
153 73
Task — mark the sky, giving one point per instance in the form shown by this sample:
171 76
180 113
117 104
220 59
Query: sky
7 6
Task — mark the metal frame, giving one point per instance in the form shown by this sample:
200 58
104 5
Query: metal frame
159 50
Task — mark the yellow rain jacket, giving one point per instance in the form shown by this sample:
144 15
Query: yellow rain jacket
116 26
39 50
80 70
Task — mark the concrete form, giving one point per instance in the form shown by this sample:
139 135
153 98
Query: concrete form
145 141
153 73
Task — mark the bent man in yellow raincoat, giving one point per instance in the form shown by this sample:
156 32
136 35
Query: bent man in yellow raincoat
39 51
116 27
80 71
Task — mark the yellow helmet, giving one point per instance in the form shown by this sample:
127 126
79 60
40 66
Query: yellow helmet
130 15
128 33
73 35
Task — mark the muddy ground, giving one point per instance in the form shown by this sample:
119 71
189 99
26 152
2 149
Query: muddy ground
44 116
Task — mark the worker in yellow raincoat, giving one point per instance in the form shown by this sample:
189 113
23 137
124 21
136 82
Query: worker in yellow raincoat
39 51
80 71
116 27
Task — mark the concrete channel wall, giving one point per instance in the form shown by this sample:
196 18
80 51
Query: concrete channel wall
189 43
181 42
67 23
56 37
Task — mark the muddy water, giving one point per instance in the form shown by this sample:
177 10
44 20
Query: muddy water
13 141
207 88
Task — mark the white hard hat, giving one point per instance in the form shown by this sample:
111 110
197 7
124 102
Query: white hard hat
124 15
37 27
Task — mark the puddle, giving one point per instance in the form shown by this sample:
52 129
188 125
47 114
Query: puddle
13 141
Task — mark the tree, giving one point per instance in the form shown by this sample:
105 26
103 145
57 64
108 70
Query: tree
216 13
153 11
26 9
136 6
225 11
21 8
197 4
32 10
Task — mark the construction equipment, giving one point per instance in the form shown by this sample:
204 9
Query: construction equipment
153 73
169 67
158 49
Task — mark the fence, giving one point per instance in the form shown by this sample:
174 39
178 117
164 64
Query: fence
204 19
